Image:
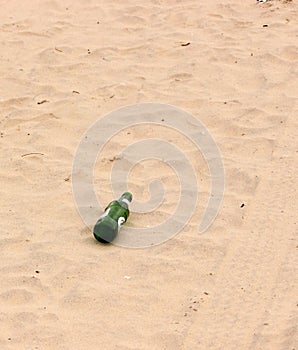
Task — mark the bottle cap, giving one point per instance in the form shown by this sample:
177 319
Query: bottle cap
127 196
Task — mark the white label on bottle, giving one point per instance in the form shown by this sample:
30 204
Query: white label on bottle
121 220
106 213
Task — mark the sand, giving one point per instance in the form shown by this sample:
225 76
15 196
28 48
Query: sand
66 64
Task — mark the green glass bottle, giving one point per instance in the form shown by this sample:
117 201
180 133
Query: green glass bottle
115 215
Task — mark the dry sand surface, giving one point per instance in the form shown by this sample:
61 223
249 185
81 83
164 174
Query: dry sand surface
65 64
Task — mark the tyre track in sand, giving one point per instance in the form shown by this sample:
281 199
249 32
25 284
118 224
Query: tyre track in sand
257 272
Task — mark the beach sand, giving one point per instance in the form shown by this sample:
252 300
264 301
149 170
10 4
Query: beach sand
233 66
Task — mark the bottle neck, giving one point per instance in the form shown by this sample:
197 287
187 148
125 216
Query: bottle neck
124 200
